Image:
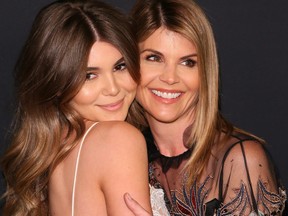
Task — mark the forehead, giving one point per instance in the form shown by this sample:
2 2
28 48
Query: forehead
102 53
167 41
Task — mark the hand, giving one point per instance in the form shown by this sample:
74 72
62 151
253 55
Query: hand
134 206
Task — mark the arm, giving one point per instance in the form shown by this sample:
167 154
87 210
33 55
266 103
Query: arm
127 169
250 184
113 161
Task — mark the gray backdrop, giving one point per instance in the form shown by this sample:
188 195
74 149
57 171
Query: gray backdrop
252 42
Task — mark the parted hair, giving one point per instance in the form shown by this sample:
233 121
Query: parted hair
50 71
189 20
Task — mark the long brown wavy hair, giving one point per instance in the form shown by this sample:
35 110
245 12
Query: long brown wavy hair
189 20
50 71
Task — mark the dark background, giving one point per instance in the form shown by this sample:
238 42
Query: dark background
252 43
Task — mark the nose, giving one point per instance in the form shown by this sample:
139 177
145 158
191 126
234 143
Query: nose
111 87
169 74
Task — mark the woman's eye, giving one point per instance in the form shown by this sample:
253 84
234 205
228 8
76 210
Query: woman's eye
189 62
90 76
120 67
153 58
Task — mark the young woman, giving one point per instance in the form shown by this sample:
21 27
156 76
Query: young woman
204 165
76 79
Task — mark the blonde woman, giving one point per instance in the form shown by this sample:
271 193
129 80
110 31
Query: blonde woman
202 163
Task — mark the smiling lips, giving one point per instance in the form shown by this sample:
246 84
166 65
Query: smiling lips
113 106
166 95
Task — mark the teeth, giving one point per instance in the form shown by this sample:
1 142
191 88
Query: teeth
166 95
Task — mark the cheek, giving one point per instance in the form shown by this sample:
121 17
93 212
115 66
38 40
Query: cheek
194 85
150 71
192 82
132 86
147 80
85 96
127 83
129 86
131 90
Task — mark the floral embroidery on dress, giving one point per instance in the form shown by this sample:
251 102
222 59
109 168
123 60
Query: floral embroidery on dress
190 201
166 175
272 203
238 204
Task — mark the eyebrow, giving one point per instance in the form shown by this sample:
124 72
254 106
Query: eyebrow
97 68
159 53
189 56
151 50
119 61
92 69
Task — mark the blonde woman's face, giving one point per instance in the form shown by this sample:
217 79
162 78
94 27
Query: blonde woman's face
169 77
109 89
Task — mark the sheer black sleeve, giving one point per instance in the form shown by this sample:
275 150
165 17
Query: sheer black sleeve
248 182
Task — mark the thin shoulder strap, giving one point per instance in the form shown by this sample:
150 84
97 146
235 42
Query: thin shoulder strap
76 166
220 195
254 203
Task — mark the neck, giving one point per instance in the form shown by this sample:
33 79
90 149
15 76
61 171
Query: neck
168 137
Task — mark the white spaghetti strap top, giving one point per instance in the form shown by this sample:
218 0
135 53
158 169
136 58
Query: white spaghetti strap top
76 166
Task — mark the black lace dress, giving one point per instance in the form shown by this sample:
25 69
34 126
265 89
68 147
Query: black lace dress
239 180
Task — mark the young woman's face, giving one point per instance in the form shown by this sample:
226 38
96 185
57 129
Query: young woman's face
169 76
109 89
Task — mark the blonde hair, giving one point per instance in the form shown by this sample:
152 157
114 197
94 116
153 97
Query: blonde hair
49 73
188 19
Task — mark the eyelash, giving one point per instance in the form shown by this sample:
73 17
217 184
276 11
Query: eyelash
156 58
120 67
90 76
189 63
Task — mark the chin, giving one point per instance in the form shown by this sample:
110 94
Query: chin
164 118
115 118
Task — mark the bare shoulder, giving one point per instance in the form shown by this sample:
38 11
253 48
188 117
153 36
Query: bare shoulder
116 133
110 142
113 150
248 161
117 128
251 150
